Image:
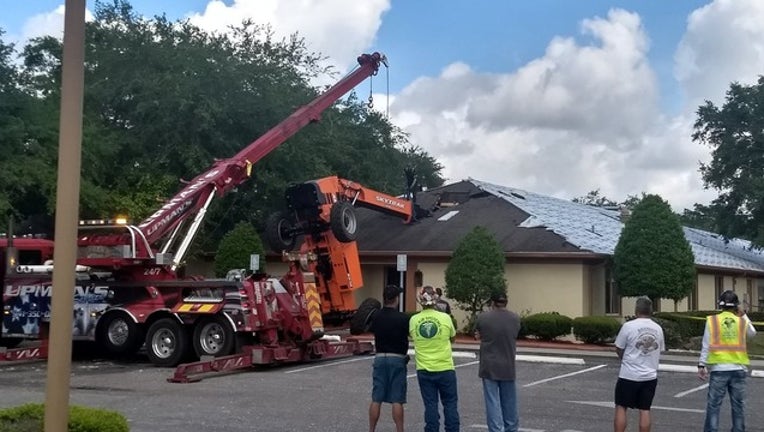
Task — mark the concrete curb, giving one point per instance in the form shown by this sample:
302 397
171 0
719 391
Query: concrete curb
677 368
550 359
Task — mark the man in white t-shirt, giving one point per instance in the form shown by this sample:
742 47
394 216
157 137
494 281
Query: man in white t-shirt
639 344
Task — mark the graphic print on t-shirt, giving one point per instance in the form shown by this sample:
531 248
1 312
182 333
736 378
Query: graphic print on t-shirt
428 328
646 341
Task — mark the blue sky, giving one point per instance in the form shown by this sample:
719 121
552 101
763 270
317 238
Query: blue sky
423 36
555 96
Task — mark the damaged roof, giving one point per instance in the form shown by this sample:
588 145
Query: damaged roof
531 223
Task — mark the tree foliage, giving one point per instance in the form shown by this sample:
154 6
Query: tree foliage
163 100
476 271
596 199
735 134
235 249
653 257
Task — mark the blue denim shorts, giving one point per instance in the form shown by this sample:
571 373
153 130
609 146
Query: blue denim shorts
389 380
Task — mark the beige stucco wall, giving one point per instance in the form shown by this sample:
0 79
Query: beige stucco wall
537 288
706 292
373 282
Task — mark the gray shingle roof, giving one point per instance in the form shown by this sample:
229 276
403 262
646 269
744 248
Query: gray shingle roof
597 229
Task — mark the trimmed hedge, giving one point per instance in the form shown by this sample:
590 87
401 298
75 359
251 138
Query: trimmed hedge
688 325
596 329
672 336
29 418
547 325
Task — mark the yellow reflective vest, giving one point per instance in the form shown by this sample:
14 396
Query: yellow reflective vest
727 339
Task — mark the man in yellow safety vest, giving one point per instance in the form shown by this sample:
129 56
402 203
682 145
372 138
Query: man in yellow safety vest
724 361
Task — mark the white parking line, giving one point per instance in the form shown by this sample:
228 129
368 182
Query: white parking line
655 407
327 364
692 390
481 426
564 375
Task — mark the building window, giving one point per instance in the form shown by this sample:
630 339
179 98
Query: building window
418 278
748 301
719 287
692 299
612 297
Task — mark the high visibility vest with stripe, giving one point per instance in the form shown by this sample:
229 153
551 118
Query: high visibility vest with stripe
727 334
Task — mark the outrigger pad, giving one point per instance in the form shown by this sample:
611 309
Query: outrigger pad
361 320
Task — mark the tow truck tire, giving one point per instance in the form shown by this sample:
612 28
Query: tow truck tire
167 342
213 336
276 234
360 322
117 333
10 342
343 221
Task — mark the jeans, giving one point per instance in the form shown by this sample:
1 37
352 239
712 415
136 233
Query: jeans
719 383
501 405
434 385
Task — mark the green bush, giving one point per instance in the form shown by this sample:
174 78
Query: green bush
596 329
29 418
688 325
547 325
672 336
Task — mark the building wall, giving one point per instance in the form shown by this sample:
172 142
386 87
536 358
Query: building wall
706 291
535 288
596 289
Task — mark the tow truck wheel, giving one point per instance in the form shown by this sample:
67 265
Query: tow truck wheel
118 333
213 336
361 320
278 234
10 342
166 342
343 221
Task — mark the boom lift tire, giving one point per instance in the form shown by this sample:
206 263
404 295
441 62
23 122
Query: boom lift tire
277 232
118 333
167 342
360 322
343 221
10 342
213 336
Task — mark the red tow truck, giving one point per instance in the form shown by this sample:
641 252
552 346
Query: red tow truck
131 292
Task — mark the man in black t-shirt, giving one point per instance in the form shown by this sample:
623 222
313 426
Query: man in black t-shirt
391 329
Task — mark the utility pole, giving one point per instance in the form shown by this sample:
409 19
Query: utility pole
67 212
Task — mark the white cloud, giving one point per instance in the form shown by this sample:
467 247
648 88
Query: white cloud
724 42
585 116
47 24
339 29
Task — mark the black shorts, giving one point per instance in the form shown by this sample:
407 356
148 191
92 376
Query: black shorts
635 394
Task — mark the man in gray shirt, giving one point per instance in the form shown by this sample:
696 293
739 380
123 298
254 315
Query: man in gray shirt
497 330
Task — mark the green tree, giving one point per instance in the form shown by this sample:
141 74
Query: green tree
476 271
593 198
195 97
701 217
735 134
236 247
653 257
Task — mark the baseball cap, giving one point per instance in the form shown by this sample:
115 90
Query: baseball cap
499 297
391 291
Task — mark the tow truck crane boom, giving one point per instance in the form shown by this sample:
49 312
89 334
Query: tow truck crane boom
194 199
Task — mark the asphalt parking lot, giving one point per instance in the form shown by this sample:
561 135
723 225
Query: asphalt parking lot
334 396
